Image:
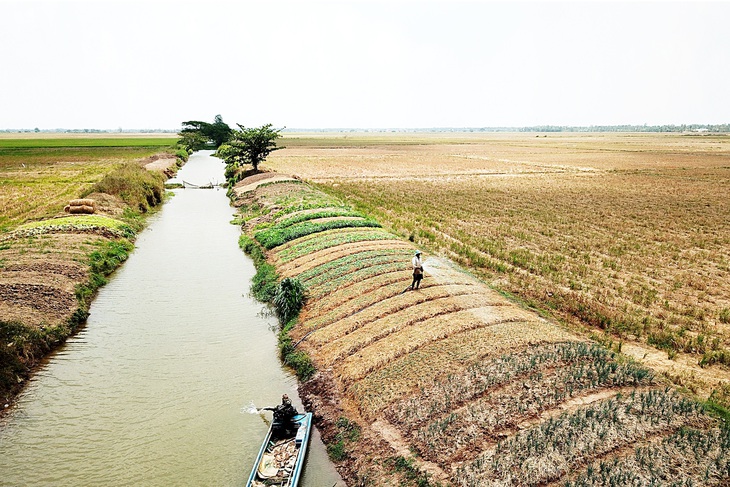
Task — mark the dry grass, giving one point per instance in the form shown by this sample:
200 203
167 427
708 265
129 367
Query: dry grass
422 368
625 233
473 388
37 182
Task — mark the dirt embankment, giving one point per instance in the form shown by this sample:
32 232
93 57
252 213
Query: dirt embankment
164 163
453 383
49 270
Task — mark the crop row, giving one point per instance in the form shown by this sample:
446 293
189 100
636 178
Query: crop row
321 257
356 276
423 368
551 450
341 342
299 217
477 379
349 264
389 304
522 400
411 338
326 312
314 236
346 260
293 196
329 239
688 457
348 300
71 224
275 236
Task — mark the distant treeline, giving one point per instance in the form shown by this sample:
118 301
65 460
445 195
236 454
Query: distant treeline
699 128
629 128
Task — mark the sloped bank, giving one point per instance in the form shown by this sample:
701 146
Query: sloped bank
454 384
50 269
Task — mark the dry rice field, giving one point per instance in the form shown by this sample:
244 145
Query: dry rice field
454 383
626 236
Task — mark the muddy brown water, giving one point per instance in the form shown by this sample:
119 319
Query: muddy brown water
155 390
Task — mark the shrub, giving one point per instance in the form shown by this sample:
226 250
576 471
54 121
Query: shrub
139 188
263 284
288 299
182 154
725 315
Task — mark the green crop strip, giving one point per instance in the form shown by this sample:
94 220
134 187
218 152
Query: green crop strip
75 224
286 222
325 241
88 142
275 236
347 260
359 275
352 263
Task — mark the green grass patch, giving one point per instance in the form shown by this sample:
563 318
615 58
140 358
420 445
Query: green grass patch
264 282
102 262
406 467
288 299
156 142
348 433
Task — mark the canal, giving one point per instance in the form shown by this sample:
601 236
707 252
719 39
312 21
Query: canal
155 389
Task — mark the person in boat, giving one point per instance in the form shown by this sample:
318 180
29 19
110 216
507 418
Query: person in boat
417 270
284 425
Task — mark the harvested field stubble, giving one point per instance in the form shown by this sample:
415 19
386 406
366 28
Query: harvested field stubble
419 370
626 233
392 301
454 382
556 447
39 177
666 462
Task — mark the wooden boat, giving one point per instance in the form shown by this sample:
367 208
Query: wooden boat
281 463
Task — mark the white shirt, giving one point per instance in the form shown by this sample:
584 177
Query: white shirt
416 261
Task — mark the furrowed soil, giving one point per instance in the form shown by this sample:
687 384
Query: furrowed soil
459 382
51 262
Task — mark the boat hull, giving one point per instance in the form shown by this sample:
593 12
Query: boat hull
269 465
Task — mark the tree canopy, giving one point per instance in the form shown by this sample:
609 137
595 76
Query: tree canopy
196 134
248 146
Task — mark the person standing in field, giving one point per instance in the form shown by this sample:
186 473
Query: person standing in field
417 270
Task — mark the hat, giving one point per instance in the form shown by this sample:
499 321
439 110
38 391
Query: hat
418 252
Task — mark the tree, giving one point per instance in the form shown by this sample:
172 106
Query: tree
196 134
192 139
248 146
219 132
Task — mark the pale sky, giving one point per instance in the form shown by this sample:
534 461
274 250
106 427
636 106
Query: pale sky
108 64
